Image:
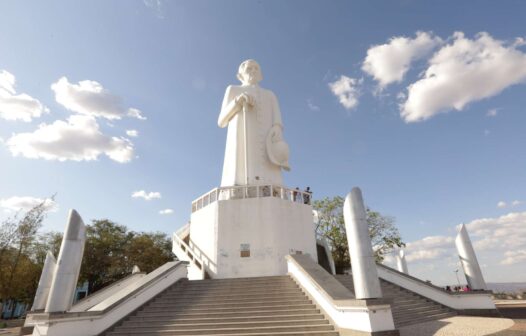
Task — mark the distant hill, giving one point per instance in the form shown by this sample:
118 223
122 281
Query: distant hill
507 287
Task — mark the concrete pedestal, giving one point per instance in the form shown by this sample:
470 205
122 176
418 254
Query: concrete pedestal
251 236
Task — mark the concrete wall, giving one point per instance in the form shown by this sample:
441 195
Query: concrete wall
269 228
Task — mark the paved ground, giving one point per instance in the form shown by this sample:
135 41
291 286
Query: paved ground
513 323
10 331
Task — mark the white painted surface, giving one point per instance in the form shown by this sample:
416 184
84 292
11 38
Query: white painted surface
365 276
468 258
252 115
366 319
271 227
401 263
185 253
68 265
106 292
44 284
94 325
204 234
454 300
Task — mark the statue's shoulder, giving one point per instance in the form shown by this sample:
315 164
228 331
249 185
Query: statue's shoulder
267 92
233 88
271 95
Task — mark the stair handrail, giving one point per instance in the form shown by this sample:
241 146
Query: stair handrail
196 260
429 284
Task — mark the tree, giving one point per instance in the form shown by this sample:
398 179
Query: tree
149 251
331 225
17 236
111 251
104 254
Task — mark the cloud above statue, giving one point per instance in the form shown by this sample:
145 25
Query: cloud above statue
77 139
15 106
388 63
462 72
448 74
91 98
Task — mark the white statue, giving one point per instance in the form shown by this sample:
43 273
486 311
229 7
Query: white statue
255 150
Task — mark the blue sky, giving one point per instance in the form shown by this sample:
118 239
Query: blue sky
428 118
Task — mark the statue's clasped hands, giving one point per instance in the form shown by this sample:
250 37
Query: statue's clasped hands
245 99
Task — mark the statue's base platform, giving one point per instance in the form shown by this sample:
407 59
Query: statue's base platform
247 232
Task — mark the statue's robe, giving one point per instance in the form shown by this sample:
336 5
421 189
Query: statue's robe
260 119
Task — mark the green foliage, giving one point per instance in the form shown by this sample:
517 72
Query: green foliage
148 251
331 225
111 251
20 270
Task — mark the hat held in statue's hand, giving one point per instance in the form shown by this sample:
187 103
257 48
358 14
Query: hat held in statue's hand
277 148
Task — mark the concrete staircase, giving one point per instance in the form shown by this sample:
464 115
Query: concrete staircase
407 307
243 306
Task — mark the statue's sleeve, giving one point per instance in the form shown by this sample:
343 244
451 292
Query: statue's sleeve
276 112
228 108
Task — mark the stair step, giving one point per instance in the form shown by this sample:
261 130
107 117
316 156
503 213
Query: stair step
135 320
226 304
220 314
238 282
283 333
226 310
234 289
418 313
247 306
235 295
221 325
407 322
225 331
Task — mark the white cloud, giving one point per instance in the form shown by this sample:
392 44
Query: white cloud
498 243
513 257
388 63
146 195
464 71
492 112
428 248
132 133
156 6
512 204
77 139
135 113
312 106
166 212
347 90
505 232
485 233
90 98
17 106
26 203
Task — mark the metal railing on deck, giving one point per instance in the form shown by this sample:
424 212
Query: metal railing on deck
251 191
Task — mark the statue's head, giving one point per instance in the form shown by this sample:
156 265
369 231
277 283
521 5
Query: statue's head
249 72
